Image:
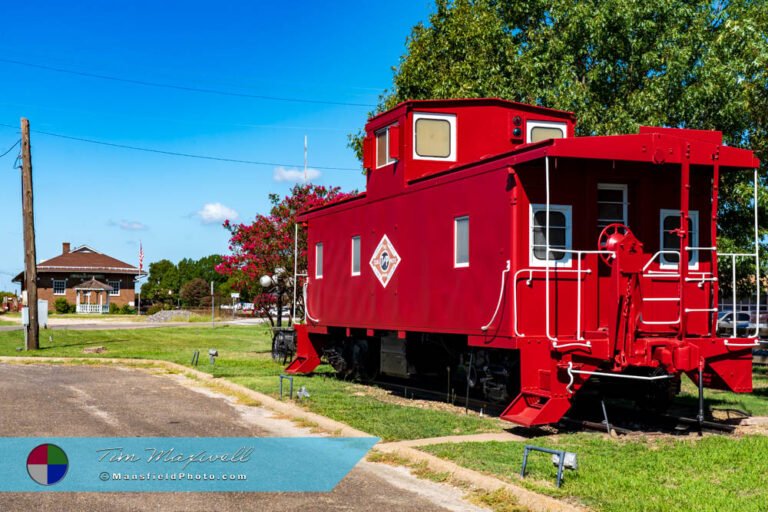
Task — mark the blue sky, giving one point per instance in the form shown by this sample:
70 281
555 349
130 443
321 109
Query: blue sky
110 198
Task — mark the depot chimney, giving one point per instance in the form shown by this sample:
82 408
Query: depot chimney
64 247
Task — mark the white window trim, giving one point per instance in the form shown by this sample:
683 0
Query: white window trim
530 125
693 240
389 160
115 290
456 263
319 268
359 255
566 210
451 118
54 281
624 202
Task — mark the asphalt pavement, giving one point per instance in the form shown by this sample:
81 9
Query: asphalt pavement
57 400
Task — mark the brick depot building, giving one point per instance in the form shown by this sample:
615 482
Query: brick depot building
85 277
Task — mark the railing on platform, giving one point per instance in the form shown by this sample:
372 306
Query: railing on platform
93 308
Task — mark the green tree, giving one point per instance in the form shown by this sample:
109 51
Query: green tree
163 278
617 64
195 292
204 268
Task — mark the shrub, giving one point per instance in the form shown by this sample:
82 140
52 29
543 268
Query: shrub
73 308
61 306
113 308
127 310
154 308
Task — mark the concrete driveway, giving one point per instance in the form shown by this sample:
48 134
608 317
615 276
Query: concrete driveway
58 400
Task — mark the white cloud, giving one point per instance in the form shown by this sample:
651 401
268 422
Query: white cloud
294 174
132 225
212 213
129 225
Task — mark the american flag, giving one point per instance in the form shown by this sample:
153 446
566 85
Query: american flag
141 257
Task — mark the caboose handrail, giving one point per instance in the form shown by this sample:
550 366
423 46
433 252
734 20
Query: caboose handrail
733 256
529 281
501 295
571 372
306 306
548 250
579 254
662 272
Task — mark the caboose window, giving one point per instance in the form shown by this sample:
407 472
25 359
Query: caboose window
559 234
461 242
611 204
543 130
382 148
355 255
669 224
434 137
318 260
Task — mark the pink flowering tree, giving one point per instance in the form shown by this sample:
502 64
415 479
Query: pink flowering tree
266 244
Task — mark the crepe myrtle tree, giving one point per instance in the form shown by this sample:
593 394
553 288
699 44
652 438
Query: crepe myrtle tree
266 244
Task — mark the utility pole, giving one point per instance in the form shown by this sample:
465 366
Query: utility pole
213 323
30 256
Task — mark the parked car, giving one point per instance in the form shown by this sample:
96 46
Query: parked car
725 324
761 328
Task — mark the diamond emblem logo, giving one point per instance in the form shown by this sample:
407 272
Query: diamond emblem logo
385 261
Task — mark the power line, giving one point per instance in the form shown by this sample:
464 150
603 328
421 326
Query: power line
101 114
175 153
10 148
181 87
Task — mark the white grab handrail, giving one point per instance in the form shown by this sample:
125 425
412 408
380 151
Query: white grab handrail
306 306
501 295
571 372
530 272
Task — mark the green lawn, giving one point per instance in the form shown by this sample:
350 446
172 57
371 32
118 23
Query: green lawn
755 403
715 473
3 321
244 358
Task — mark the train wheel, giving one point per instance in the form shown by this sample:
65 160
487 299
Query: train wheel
354 359
364 360
283 346
657 395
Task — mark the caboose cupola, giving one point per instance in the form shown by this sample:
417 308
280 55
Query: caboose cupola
419 139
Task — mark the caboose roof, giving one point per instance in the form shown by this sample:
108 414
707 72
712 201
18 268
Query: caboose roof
652 145
469 102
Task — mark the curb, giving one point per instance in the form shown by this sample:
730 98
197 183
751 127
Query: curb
526 498
529 499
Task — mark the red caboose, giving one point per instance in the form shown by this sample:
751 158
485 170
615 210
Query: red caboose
492 241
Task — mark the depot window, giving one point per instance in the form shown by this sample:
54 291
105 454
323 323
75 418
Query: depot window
434 137
382 148
612 204
461 242
59 286
318 260
560 233
669 223
543 130
115 288
355 255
